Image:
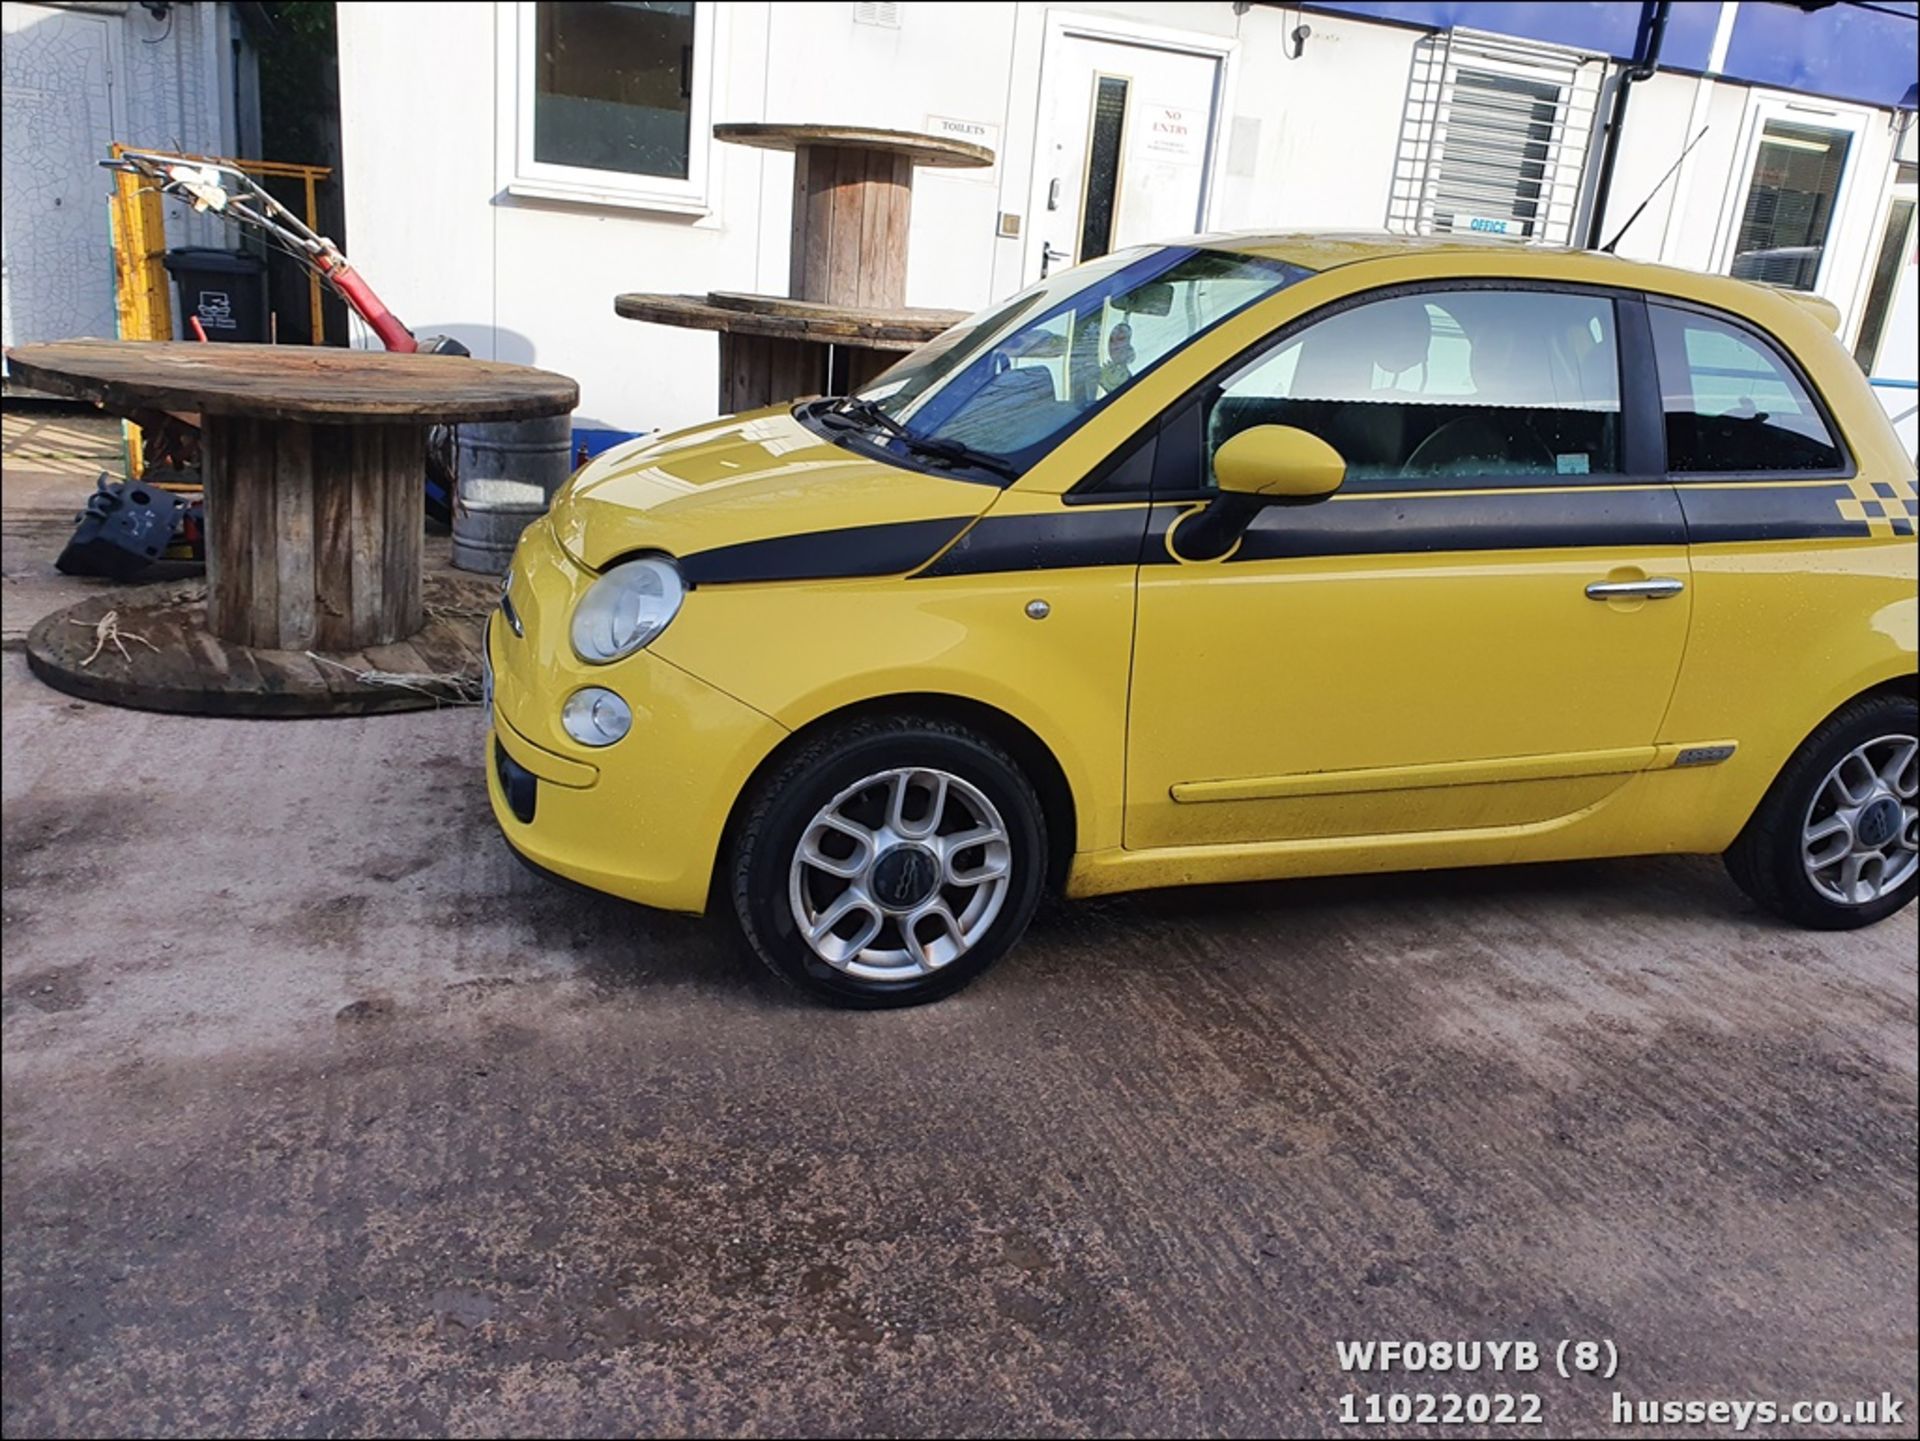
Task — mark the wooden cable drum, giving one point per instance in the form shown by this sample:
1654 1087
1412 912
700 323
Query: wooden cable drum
313 462
290 382
845 319
903 329
852 201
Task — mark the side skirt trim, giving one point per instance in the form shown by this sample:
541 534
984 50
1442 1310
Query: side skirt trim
1564 765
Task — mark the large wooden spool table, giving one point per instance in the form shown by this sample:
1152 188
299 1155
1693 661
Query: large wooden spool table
845 317
773 349
313 463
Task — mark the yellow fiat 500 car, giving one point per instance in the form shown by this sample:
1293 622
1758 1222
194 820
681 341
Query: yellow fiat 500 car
1236 558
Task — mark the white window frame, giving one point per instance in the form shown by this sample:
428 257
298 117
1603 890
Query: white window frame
1794 110
542 180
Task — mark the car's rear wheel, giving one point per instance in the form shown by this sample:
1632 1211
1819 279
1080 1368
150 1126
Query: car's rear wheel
1836 842
888 862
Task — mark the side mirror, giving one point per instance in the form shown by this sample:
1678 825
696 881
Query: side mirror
1261 466
1278 465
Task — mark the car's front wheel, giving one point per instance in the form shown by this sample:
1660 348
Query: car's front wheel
888 862
1836 842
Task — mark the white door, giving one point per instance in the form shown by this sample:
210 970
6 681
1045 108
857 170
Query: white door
1125 136
61 114
1787 205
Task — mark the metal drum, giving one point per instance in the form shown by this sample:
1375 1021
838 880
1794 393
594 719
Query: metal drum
507 473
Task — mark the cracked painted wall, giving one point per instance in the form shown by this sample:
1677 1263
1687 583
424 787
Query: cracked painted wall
75 81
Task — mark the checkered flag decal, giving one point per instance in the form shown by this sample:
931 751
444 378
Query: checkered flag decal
1885 507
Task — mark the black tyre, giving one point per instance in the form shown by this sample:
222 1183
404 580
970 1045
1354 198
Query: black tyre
1833 845
888 862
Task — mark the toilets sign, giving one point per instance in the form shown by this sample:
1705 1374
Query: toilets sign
974 132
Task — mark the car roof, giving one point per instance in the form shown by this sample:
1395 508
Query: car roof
1324 249
1470 254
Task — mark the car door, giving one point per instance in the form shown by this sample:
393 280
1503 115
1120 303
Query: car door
1482 628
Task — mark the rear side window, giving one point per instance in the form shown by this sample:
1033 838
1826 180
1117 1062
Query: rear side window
1733 404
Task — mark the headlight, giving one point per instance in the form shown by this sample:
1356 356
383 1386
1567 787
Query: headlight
595 717
626 608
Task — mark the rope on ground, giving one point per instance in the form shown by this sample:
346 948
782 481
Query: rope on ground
453 687
107 632
455 612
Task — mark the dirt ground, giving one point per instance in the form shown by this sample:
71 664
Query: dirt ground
322 1116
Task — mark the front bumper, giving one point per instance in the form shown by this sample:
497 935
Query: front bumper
642 818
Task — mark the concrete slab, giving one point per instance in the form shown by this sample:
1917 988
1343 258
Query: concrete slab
324 1116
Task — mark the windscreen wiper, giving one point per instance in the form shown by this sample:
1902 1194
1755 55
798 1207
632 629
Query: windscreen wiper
953 451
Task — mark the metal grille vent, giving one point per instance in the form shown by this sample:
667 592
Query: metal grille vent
1494 138
883 13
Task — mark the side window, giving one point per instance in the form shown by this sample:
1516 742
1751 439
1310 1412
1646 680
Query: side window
1732 405
1446 383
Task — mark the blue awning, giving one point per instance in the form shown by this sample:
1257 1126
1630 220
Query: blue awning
1845 52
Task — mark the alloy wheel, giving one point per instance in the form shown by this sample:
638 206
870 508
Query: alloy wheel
1858 842
900 874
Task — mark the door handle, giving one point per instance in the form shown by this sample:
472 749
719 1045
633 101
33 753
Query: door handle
1658 587
1049 257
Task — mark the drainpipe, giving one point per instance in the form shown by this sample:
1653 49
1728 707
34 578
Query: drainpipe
1653 31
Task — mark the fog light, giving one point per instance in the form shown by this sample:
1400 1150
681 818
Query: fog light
596 717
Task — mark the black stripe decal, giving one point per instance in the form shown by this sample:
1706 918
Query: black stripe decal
1106 535
1398 525
858 550
1119 535
1717 514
